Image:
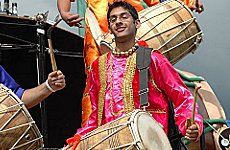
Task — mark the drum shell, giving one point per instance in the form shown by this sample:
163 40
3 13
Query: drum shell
172 25
169 27
17 128
112 137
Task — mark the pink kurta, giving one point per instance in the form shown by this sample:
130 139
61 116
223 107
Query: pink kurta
91 51
119 77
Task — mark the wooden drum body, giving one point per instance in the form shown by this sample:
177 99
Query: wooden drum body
136 130
17 128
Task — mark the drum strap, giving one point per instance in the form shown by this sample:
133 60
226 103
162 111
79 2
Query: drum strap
142 62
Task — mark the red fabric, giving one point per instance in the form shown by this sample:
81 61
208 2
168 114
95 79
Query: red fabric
75 140
143 43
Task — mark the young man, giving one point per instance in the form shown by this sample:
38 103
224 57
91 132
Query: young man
91 50
114 81
33 96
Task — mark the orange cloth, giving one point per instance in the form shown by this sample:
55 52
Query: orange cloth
75 140
91 50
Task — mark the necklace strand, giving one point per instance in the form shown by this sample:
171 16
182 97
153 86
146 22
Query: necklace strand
124 54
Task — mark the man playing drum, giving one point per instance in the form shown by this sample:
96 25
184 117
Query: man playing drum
33 96
114 82
91 49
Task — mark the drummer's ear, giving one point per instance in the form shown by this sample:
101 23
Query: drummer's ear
138 23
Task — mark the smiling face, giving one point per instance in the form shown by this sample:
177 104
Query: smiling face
122 25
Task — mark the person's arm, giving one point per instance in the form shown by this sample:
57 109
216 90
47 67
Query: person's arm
33 96
70 18
10 83
169 81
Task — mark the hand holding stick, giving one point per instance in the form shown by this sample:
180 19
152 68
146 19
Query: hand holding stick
190 121
194 104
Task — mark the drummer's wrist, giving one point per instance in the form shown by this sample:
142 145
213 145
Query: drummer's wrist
49 87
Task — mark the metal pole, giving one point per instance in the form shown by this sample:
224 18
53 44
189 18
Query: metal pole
41 61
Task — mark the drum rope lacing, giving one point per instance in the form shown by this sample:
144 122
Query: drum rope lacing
105 138
173 27
161 21
105 129
19 104
7 94
32 141
22 136
19 126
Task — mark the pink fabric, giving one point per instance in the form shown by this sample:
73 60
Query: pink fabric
119 66
166 78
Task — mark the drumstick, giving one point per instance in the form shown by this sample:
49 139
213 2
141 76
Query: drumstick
194 104
52 57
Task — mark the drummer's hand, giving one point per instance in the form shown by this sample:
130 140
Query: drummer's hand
199 7
192 132
72 19
56 80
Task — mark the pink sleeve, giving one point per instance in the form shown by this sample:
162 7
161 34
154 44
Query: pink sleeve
176 90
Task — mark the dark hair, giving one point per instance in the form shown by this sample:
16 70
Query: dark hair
126 6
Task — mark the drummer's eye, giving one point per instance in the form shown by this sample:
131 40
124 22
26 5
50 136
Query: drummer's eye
123 17
112 19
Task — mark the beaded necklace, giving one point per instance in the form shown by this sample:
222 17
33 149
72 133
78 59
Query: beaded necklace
124 54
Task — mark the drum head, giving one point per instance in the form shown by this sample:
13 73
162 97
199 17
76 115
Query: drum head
151 134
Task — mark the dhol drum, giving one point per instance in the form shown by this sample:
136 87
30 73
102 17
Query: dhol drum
169 27
136 130
215 128
17 128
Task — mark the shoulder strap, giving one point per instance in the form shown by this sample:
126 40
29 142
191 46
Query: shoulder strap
142 61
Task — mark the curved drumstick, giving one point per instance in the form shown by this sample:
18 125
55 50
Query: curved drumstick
52 57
